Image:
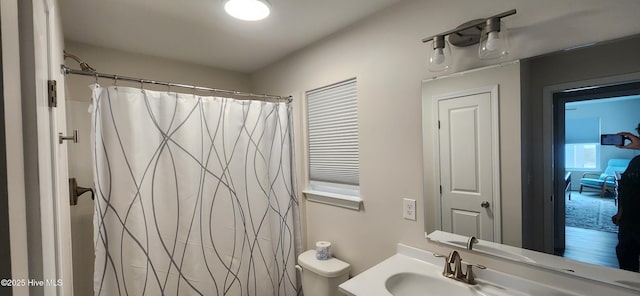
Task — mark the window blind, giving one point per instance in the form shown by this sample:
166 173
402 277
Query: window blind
333 133
582 130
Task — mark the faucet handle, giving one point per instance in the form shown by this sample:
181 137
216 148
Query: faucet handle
447 266
470 277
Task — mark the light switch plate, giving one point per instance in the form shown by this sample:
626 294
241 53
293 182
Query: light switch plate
409 209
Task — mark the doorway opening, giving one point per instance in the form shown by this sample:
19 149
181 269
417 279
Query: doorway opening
583 222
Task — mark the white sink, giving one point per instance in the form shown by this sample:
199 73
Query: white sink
417 284
407 284
412 284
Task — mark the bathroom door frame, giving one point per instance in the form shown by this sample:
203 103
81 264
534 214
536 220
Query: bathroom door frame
14 260
46 201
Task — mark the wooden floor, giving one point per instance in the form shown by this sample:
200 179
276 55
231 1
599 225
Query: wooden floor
591 246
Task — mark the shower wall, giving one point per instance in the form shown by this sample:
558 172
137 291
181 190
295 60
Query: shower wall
81 214
78 99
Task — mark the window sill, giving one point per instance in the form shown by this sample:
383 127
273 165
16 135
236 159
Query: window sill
334 199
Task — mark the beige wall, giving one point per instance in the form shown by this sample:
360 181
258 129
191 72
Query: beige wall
81 168
387 56
110 61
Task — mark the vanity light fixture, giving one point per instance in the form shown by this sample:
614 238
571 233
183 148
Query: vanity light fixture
248 10
490 32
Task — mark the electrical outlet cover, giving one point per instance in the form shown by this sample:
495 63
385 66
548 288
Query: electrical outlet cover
409 209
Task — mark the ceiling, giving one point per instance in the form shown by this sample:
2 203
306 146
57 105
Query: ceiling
199 31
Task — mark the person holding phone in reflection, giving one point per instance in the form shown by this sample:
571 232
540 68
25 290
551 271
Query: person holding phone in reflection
628 216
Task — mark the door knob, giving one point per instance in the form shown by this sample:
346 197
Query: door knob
485 204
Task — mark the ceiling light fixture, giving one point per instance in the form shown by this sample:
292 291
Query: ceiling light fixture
490 32
248 10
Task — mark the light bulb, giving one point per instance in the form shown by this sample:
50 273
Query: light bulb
438 56
247 10
493 41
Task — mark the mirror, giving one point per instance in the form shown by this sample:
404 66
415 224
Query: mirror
533 127
485 247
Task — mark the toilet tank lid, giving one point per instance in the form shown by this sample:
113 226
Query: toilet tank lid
329 268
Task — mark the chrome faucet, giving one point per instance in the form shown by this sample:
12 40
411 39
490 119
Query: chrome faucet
472 240
456 273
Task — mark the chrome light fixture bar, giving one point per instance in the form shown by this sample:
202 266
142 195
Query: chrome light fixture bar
490 32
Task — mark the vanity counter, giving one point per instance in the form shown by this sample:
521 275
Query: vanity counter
411 262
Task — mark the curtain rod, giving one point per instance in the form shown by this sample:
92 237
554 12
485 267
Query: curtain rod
66 70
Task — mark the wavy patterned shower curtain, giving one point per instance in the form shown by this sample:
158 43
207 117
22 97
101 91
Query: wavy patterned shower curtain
194 195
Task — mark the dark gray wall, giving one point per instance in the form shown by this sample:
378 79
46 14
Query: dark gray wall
608 59
527 203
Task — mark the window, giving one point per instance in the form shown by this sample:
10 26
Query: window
582 143
582 156
333 154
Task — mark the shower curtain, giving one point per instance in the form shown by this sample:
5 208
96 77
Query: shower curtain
194 195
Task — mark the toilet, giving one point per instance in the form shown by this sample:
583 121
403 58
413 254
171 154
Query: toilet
322 277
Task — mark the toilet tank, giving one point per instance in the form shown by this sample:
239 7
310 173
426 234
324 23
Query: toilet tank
322 277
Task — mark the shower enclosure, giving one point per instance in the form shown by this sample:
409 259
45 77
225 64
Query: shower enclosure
194 195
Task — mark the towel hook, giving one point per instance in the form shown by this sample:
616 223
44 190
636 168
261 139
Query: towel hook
62 138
